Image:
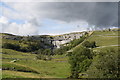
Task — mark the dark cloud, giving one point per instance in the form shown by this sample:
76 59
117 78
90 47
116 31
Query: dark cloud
100 14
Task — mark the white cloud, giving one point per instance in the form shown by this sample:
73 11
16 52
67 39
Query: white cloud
33 13
12 28
94 13
19 29
3 20
28 29
21 10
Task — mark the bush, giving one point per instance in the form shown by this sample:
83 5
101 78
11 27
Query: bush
77 41
61 50
11 46
43 57
47 52
107 63
80 60
73 43
88 44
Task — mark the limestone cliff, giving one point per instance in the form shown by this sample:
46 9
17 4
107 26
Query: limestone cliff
47 39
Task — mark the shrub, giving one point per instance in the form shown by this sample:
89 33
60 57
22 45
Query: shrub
88 44
80 60
43 57
77 41
47 52
11 46
73 43
107 63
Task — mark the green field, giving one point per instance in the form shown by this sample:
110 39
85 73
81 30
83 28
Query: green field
58 67
104 38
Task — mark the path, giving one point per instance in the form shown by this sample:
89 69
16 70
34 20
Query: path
81 42
107 46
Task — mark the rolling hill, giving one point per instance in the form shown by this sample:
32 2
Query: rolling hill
24 64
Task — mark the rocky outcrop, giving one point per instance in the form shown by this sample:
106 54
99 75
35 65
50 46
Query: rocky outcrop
10 36
66 38
52 40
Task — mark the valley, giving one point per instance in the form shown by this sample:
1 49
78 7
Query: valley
46 56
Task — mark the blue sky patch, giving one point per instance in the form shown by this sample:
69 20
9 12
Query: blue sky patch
17 21
7 6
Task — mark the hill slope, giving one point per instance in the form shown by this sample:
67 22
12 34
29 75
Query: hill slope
18 64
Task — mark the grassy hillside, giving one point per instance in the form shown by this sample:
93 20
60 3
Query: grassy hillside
107 42
27 65
104 38
18 64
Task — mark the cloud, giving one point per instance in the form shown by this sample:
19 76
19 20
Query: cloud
3 20
18 29
55 27
24 29
95 15
98 14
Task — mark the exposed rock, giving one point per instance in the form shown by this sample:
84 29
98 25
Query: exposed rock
54 40
66 38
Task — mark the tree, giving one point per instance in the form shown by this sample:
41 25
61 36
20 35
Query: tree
107 63
75 42
47 52
80 60
93 44
88 44
11 46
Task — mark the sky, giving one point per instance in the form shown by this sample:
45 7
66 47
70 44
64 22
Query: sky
50 17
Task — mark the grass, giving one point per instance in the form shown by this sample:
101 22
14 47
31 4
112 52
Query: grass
17 67
58 67
7 74
53 68
105 33
10 41
103 40
12 53
60 58
50 68
16 74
